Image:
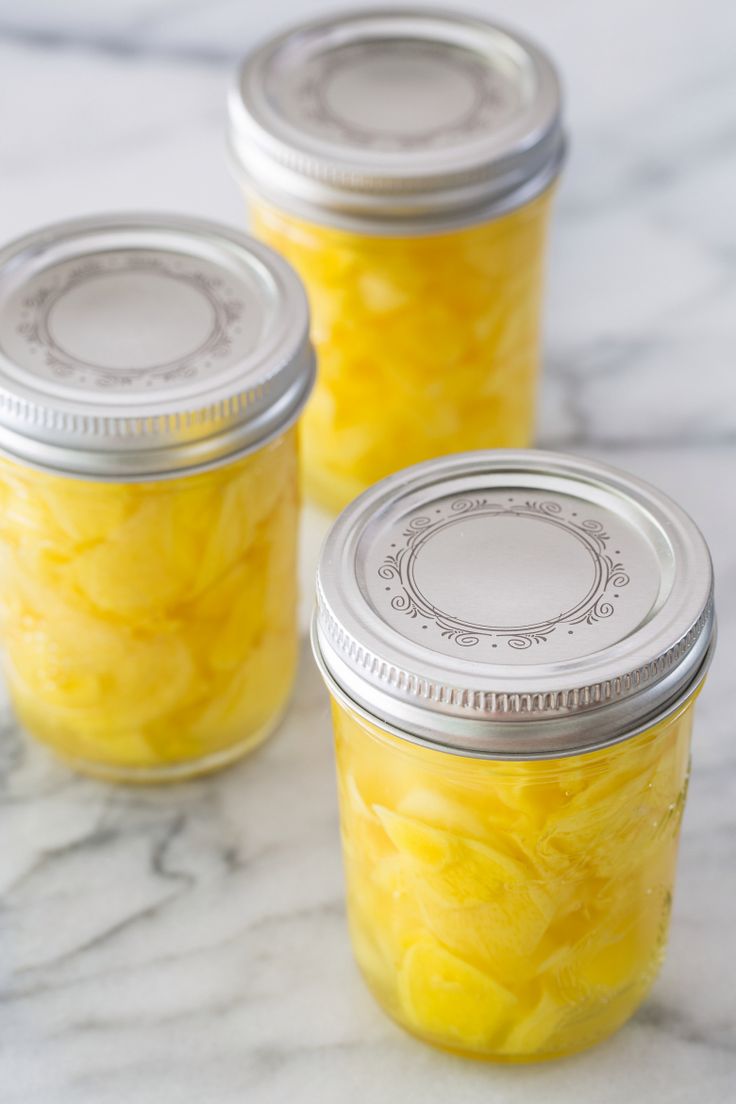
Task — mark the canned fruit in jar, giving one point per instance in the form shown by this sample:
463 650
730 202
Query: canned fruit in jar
510 910
426 345
151 624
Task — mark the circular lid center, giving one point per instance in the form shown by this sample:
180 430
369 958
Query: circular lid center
131 321
490 555
387 92
412 93
506 578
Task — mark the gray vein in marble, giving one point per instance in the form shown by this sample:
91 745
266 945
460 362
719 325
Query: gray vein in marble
115 46
674 1023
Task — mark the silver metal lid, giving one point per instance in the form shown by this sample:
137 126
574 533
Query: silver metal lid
397 114
144 345
514 603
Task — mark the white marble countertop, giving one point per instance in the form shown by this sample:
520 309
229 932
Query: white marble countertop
188 944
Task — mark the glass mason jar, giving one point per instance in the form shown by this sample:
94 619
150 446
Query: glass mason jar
151 371
513 643
404 162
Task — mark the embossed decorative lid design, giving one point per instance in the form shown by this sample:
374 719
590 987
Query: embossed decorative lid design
413 113
139 346
514 603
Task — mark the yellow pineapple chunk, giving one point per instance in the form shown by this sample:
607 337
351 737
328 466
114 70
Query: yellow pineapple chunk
446 997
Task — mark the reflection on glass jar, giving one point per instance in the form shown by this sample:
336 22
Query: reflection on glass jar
512 782
419 233
148 512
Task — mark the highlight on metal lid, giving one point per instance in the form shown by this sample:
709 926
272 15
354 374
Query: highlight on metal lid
514 604
136 346
414 113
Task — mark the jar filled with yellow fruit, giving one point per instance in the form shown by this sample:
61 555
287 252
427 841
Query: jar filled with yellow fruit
513 642
151 373
404 162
